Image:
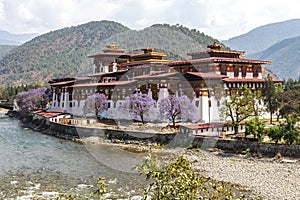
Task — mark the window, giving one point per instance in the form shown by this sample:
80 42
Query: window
236 71
255 71
244 71
223 70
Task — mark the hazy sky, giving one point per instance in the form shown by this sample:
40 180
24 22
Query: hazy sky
221 19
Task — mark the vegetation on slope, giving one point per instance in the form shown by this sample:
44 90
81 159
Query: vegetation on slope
56 54
63 53
5 49
284 56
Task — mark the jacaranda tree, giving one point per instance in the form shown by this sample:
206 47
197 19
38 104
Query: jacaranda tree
174 107
138 104
96 104
33 99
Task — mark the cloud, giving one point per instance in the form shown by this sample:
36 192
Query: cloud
220 19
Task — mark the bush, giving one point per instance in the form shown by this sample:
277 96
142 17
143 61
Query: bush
286 131
256 127
177 180
275 133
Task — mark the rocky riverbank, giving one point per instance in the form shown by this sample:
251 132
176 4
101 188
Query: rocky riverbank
272 178
251 175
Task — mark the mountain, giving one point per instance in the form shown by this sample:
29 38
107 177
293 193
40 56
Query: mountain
265 36
63 53
5 49
284 56
7 38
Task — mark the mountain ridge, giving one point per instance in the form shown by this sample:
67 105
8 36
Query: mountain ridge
7 38
284 56
63 52
262 37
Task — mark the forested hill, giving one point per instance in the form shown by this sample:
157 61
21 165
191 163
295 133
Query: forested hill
284 56
63 53
5 49
55 54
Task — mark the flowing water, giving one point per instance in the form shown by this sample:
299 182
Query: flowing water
34 164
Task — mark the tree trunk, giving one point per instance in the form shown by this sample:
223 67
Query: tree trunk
271 118
173 121
236 128
142 118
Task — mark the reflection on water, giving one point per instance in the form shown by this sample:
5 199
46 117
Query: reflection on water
49 163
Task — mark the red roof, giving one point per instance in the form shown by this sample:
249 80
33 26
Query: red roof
57 111
207 75
53 113
62 83
216 51
204 126
106 73
248 80
208 125
104 84
37 111
109 54
218 59
244 80
162 75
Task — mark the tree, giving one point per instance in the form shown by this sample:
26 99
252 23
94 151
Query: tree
138 105
3 93
286 131
238 106
271 98
275 133
290 132
172 107
290 103
33 99
256 127
95 103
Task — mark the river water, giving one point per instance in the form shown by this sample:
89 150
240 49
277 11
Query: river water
36 165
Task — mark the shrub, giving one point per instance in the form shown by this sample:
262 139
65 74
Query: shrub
177 180
256 127
275 133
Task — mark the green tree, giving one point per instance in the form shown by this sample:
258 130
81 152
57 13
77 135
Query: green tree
239 106
291 133
256 127
290 103
3 93
270 97
275 133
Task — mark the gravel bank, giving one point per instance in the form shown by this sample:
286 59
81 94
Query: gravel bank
267 177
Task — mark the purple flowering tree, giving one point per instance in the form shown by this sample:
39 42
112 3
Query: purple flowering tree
33 99
138 104
172 107
95 103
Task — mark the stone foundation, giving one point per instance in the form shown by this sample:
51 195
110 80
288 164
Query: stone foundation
171 140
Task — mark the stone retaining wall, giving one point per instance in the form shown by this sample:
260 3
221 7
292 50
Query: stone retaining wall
171 140
236 146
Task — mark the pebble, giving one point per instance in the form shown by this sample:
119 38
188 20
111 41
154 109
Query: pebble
266 177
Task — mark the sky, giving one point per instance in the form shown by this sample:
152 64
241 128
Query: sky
221 19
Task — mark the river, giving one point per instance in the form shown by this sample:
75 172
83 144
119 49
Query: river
34 165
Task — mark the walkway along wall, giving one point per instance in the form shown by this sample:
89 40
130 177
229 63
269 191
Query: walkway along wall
171 140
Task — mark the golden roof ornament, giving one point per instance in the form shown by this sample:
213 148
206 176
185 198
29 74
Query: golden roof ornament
215 45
